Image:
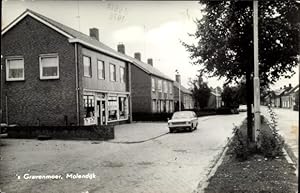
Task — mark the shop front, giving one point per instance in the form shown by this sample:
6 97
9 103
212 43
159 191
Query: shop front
105 108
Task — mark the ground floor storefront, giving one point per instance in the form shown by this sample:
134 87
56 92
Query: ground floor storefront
102 108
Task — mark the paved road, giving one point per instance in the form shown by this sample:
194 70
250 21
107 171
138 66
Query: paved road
172 163
288 125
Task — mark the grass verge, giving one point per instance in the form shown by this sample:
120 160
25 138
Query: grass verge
247 169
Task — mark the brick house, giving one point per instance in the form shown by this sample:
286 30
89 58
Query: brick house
55 75
151 90
186 96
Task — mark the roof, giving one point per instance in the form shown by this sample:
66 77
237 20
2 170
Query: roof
182 88
293 90
76 36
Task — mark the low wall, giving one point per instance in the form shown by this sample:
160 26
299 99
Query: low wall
105 132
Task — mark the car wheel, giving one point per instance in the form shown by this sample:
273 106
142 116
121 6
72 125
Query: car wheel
171 130
191 129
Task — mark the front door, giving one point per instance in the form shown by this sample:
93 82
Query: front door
101 110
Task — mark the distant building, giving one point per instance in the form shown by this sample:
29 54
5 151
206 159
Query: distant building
215 99
152 91
186 96
289 97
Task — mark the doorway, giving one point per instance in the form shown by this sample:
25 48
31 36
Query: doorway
102 115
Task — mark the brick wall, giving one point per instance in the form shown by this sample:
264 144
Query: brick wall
103 132
140 90
35 101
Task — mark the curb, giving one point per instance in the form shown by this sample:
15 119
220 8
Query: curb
217 162
140 141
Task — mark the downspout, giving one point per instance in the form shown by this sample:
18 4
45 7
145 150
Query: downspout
76 86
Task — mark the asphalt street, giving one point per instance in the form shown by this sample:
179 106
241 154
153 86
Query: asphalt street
170 163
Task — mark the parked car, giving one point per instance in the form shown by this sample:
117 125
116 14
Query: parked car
243 108
183 120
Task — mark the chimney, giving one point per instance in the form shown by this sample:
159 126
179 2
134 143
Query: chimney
94 33
177 78
137 56
121 48
150 61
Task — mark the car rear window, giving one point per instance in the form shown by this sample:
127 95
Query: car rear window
181 115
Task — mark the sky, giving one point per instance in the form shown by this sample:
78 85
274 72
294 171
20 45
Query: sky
154 29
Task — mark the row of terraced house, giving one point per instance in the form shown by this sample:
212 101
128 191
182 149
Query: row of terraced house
55 75
284 97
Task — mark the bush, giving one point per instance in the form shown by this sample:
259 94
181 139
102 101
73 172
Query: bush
239 144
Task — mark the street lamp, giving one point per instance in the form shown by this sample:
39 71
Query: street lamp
256 90
179 95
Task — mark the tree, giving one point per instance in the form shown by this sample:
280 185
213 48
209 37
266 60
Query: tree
225 39
225 42
230 96
200 91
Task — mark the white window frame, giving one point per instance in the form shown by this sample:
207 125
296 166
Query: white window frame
88 76
170 88
41 66
165 83
159 85
103 65
153 84
115 72
122 78
7 69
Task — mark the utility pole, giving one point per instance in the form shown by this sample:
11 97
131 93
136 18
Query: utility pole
179 91
256 84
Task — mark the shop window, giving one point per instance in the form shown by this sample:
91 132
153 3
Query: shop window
112 108
49 67
123 108
89 106
87 66
15 69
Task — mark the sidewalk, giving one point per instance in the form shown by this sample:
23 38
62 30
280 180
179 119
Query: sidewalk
288 126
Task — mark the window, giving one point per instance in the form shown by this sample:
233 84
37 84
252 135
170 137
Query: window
87 66
162 106
153 84
15 69
101 69
89 106
112 72
154 106
167 106
123 108
170 88
159 85
165 87
122 74
112 108
49 68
